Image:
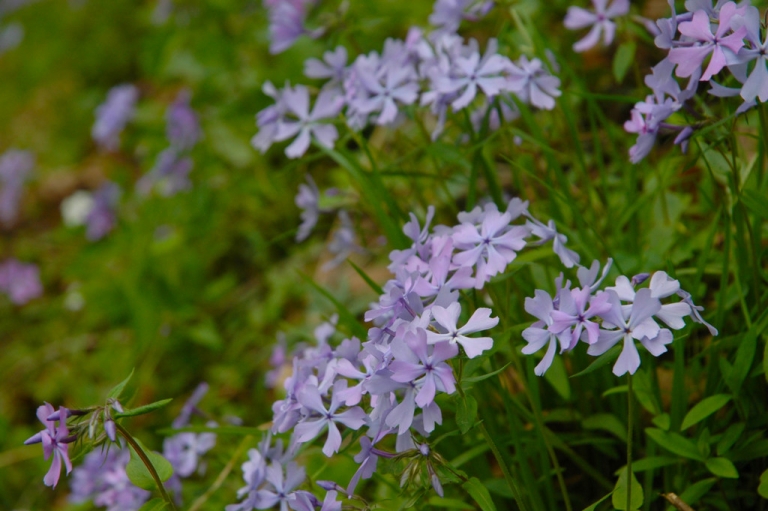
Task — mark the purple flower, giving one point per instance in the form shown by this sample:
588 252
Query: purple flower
332 67
756 86
490 246
182 124
170 174
689 59
327 106
283 486
101 478
15 168
101 219
343 243
533 83
573 314
55 442
578 18
308 199
414 362
353 418
568 257
286 22
448 14
20 281
539 334
384 90
447 319
637 325
113 115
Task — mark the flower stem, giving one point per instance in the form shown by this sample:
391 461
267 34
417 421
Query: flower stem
142 455
505 469
630 420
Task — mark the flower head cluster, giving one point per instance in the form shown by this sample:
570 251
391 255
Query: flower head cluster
438 71
701 43
113 115
389 385
623 313
101 478
171 171
20 281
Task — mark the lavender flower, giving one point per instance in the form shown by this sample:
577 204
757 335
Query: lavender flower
55 440
533 83
101 478
286 22
170 174
182 124
448 14
327 105
539 334
15 169
756 85
578 18
447 318
20 281
113 115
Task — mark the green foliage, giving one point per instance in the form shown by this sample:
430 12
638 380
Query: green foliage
139 473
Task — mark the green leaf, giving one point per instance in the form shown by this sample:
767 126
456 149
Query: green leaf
704 409
154 505
675 443
117 390
762 489
730 437
722 467
594 506
662 421
755 202
139 474
436 501
475 379
603 360
621 389
606 422
466 411
558 378
623 59
694 492
345 317
651 463
619 497
151 407
368 280
480 493
745 354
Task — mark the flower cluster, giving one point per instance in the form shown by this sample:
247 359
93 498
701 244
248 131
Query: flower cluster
439 71
101 478
171 171
96 210
603 318
389 384
286 22
701 44
113 115
15 169
20 281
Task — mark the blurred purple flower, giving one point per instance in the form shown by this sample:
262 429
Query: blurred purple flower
448 317
170 174
113 115
101 478
101 219
286 22
448 14
20 281
530 80
756 86
327 106
15 168
182 124
578 18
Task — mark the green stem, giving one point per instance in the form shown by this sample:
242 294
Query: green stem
140 453
505 469
201 500
630 420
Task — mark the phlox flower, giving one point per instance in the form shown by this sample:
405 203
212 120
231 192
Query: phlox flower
661 286
756 85
308 429
385 89
689 59
447 318
113 115
332 66
533 83
638 325
284 482
101 477
55 440
20 281
600 20
575 307
307 124
448 14
539 334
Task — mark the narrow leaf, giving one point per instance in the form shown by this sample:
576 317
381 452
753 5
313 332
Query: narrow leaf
475 379
606 422
594 506
117 390
619 497
480 493
368 280
154 505
722 467
466 411
603 360
139 474
675 443
623 59
151 407
704 409
694 492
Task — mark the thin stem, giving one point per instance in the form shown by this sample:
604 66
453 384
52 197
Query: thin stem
504 468
198 503
630 420
144 459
